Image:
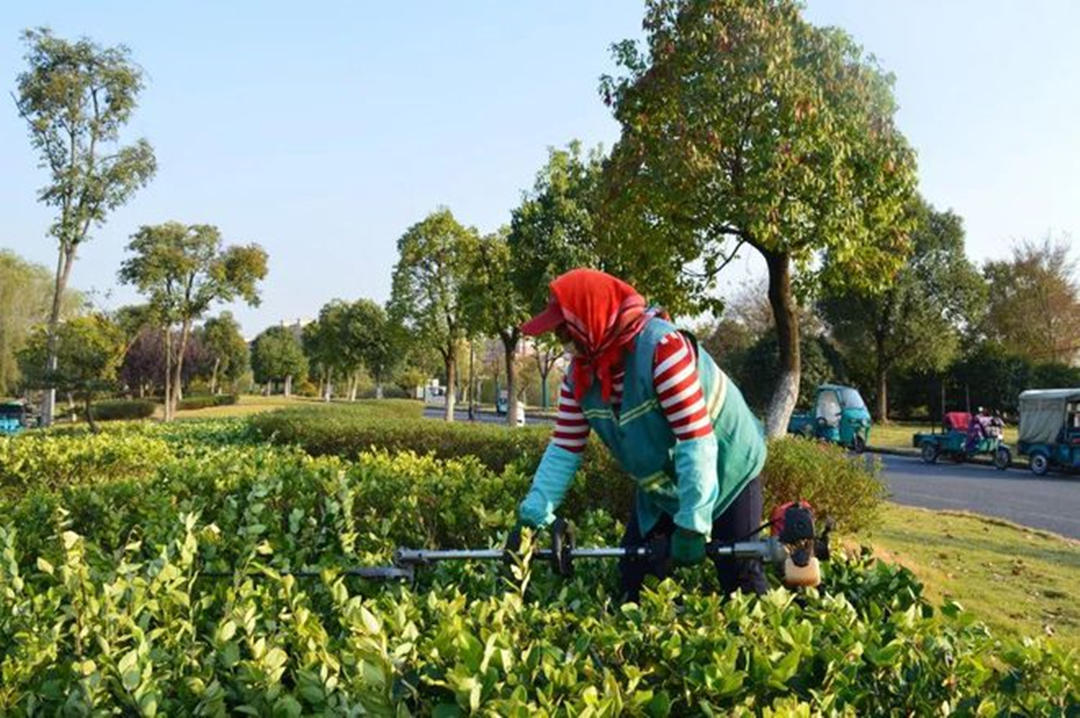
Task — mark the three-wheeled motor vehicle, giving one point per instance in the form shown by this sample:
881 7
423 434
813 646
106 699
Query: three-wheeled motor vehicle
14 417
956 441
1050 429
839 417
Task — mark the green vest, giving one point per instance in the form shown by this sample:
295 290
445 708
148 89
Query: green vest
677 477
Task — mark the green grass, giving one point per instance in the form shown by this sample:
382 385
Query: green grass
1019 581
897 434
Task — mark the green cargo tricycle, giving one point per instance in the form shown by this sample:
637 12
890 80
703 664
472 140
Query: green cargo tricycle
839 417
1050 429
957 443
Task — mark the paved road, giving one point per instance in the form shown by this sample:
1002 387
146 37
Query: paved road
1051 502
486 417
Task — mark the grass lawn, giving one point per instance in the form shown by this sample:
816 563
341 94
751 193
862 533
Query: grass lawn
897 434
246 405
1017 580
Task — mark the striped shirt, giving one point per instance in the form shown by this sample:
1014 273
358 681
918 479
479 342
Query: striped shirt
678 389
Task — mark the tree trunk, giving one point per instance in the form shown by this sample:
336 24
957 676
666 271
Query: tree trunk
90 414
178 368
785 314
328 393
168 372
354 386
450 363
510 340
63 270
882 371
213 376
288 386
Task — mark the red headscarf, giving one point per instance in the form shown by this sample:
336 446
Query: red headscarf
603 314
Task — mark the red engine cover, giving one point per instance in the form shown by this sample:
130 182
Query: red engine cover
777 516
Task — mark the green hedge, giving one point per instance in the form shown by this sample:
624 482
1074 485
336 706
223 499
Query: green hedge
122 409
847 488
109 607
206 401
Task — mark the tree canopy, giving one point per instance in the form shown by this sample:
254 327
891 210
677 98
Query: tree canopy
434 257
183 270
276 356
89 351
918 321
1033 309
744 125
75 98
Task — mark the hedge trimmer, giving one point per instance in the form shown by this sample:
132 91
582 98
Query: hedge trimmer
792 546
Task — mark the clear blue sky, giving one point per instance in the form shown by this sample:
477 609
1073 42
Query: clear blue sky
323 130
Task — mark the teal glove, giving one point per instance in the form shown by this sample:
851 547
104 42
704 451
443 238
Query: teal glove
687 547
549 486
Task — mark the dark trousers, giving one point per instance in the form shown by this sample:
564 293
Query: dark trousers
737 523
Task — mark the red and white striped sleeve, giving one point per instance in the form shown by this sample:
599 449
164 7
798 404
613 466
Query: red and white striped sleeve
571 427
678 388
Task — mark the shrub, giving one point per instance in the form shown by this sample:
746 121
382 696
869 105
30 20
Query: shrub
206 401
844 487
108 606
120 409
43 460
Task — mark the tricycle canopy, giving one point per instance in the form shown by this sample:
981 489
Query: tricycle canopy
1043 412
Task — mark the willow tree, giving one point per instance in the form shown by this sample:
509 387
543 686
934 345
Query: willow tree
745 126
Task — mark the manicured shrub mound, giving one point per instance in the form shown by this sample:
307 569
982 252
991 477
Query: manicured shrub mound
206 401
106 606
123 409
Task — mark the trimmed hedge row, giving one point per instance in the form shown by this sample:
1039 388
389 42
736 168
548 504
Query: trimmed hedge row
123 409
204 402
847 488
109 607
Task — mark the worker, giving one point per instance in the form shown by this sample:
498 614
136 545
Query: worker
672 419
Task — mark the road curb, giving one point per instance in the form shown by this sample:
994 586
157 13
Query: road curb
914 454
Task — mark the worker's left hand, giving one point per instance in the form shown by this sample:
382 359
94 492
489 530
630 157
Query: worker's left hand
687 547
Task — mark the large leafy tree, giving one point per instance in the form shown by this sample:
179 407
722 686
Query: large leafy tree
90 349
917 321
434 257
1033 308
496 305
184 269
75 98
553 229
226 350
375 340
323 346
744 125
276 356
25 298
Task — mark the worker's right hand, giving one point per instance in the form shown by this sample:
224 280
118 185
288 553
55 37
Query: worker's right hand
687 547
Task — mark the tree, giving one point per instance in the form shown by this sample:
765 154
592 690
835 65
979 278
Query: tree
184 269
75 98
374 339
227 350
426 298
917 321
276 356
1033 308
89 349
552 230
319 343
25 298
494 304
744 125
